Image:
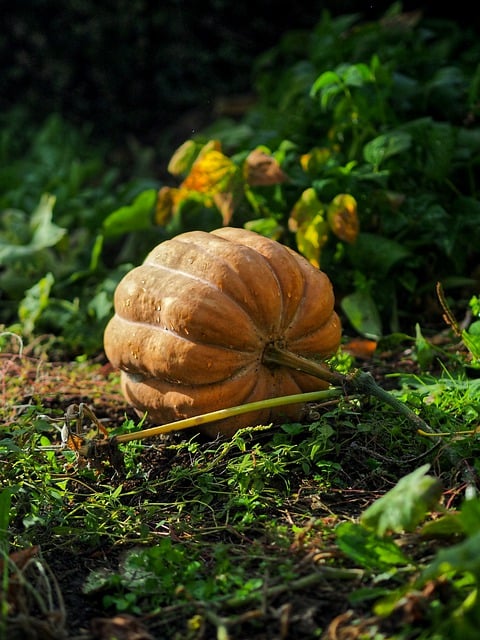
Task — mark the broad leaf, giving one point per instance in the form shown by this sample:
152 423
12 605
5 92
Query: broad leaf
182 160
406 505
373 253
133 217
309 225
462 557
363 314
385 146
35 302
43 233
342 217
368 549
211 173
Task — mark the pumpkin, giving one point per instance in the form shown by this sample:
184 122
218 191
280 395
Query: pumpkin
194 323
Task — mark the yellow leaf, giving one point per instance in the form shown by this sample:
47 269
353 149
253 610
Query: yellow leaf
164 206
315 160
168 200
342 217
307 207
210 173
311 237
183 158
262 170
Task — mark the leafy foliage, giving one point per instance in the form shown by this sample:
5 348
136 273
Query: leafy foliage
378 181
359 156
55 195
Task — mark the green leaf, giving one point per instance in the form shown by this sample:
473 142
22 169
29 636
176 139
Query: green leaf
466 521
357 75
268 227
406 505
42 231
134 217
5 502
362 313
469 516
367 548
423 349
462 557
35 302
376 254
447 525
471 338
326 79
385 146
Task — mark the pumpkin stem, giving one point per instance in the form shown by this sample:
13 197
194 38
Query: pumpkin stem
359 382
222 414
273 354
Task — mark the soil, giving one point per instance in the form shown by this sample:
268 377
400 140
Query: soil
292 614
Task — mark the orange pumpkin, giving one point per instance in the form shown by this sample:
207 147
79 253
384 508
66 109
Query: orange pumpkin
192 325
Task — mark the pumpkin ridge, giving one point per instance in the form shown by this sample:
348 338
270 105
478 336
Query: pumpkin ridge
280 252
184 338
236 375
204 281
255 255
296 317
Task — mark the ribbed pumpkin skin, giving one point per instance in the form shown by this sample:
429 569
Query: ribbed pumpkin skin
191 324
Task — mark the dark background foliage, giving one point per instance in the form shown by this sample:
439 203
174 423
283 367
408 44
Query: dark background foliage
134 66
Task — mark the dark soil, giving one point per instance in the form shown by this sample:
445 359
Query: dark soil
292 614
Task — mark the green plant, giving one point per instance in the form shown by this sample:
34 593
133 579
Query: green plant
362 170
55 193
446 585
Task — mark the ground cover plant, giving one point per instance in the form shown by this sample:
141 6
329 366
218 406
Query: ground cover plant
351 523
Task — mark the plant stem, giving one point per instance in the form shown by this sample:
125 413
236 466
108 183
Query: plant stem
322 574
359 382
221 414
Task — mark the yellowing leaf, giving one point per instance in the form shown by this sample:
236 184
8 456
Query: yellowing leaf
225 203
315 160
307 207
262 170
210 173
167 201
311 238
183 158
310 227
342 217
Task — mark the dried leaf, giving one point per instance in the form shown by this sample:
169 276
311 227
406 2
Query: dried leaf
165 205
343 219
225 204
21 557
262 170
